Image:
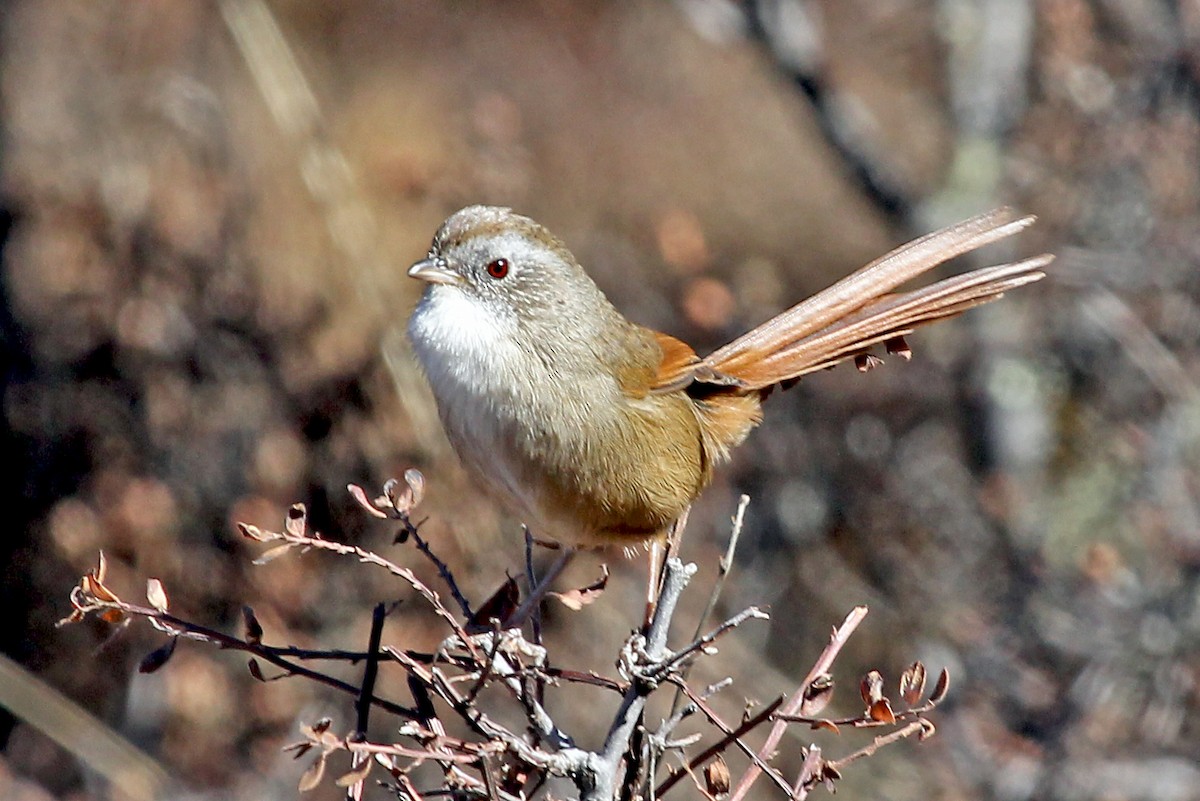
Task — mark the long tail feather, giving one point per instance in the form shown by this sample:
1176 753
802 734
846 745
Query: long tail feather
859 311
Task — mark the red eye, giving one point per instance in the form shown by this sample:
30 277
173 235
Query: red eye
498 268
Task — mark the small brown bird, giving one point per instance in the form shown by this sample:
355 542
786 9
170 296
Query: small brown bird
598 431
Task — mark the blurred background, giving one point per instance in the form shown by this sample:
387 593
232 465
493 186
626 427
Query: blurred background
208 209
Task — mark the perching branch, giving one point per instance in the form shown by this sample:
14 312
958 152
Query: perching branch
479 668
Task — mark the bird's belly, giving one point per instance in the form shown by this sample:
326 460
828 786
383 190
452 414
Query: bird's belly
578 473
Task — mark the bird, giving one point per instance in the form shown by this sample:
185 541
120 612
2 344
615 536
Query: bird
597 431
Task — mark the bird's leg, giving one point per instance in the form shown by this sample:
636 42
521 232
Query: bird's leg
660 552
537 593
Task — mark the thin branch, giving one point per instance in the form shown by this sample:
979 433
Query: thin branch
442 568
538 593
916 727
809 773
371 671
862 721
193 631
607 761
720 745
419 754
824 662
708 639
756 760
669 725
367 557
723 568
725 565
531 579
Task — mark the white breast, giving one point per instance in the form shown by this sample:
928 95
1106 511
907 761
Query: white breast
482 384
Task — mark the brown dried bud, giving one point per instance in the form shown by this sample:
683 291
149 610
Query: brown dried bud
817 695
296 521
254 630
912 684
500 606
881 711
158 657
865 362
871 687
898 346
941 688
716 777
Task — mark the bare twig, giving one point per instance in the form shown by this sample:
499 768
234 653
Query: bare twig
810 773
756 760
725 565
603 767
723 568
193 631
824 662
531 580
442 569
305 540
363 706
720 745
703 642
538 592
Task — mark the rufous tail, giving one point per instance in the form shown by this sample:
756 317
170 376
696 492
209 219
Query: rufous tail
862 310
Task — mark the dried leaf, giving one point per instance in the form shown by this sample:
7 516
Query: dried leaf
500 606
817 695
828 725
101 568
402 500
941 688
158 657
898 346
360 495
254 629
388 499
255 670
866 362
320 727
297 520
113 616
416 486
300 749
254 533
577 599
156 595
912 684
92 585
716 776
272 554
871 688
312 776
356 775
881 711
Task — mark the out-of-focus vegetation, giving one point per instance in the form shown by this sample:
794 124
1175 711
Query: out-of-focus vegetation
206 244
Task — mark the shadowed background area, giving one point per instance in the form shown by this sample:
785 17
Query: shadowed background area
208 210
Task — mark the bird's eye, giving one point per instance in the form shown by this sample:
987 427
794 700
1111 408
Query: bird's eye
498 268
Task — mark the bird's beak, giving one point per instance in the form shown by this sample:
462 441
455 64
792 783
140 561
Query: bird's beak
435 271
